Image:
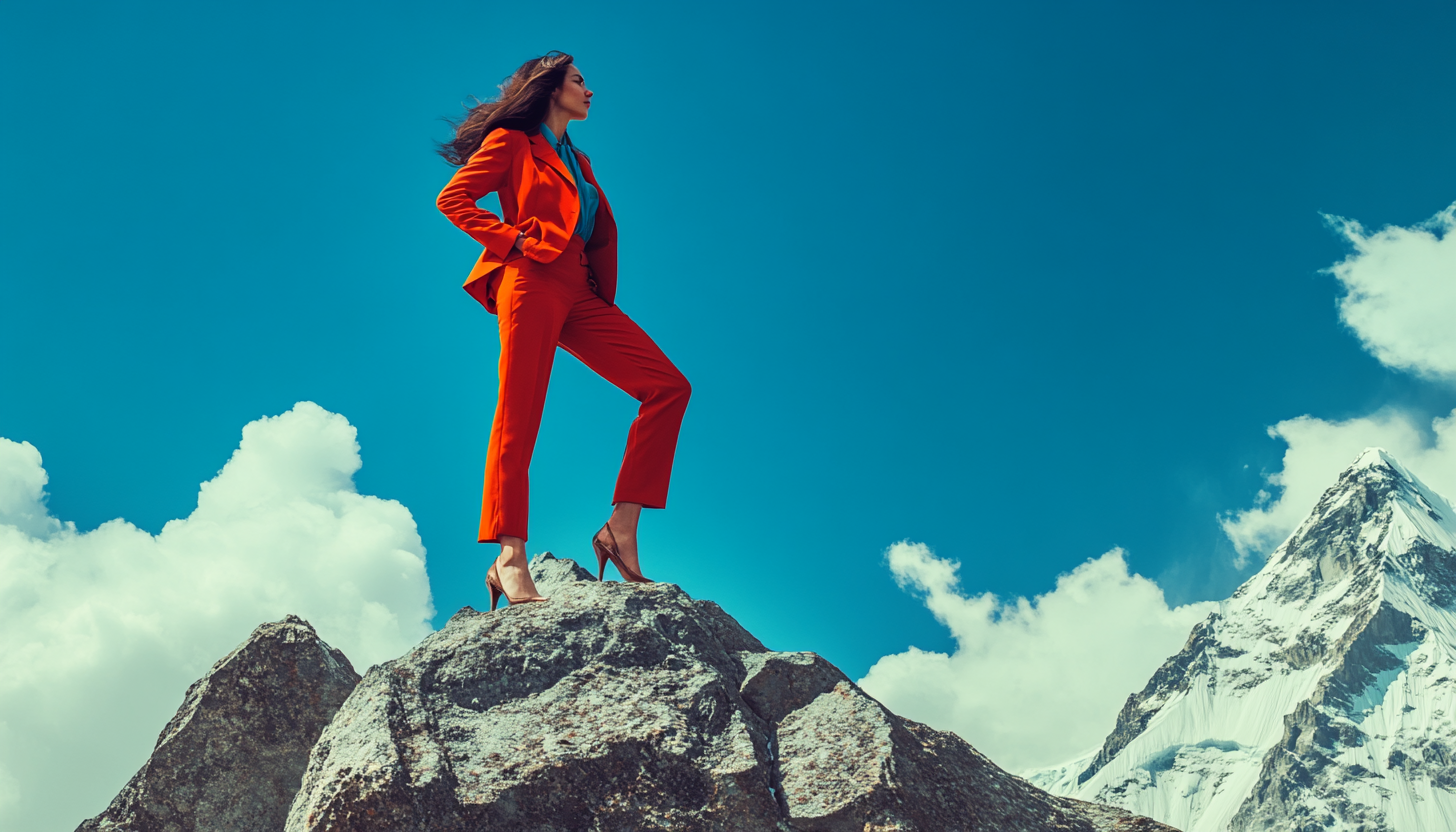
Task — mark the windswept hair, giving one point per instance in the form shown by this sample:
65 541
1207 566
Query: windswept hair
524 101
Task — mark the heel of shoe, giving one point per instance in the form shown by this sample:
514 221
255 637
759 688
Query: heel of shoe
495 589
604 552
602 557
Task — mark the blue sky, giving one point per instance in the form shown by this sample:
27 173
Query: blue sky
1022 282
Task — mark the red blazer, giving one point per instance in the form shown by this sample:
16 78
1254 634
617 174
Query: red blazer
537 196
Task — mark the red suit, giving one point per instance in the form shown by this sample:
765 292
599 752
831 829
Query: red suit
559 292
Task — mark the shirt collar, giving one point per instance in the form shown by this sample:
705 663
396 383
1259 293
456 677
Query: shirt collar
551 137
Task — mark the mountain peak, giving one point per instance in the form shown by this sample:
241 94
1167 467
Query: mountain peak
1316 697
1378 537
1372 457
1376 519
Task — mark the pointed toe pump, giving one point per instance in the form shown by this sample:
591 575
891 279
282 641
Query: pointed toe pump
492 580
607 552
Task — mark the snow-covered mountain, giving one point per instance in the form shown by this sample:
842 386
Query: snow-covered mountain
1320 696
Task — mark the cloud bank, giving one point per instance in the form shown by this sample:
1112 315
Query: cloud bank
1031 683
101 632
1400 302
1401 292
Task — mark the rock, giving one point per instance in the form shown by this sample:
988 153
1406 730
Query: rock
232 758
616 706
848 763
777 684
550 572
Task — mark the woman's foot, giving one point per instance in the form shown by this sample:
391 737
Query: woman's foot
513 571
623 524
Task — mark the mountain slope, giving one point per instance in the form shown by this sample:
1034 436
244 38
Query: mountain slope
1320 695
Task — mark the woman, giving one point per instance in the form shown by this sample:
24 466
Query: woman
549 273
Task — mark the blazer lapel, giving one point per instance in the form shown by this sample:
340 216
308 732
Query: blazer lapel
590 177
542 149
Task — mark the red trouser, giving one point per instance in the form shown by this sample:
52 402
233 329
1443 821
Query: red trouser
541 305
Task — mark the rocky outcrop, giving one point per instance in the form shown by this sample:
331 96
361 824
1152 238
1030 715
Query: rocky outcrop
232 758
618 706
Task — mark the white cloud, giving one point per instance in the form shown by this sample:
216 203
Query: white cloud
101 632
1400 297
1031 683
1318 451
1401 285
22 490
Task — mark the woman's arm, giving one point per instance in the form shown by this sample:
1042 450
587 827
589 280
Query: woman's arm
484 173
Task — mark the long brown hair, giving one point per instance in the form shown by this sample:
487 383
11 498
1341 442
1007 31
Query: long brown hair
524 101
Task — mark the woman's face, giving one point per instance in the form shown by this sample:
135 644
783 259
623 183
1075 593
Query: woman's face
573 97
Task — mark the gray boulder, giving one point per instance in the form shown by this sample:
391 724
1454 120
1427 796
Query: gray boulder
233 757
616 706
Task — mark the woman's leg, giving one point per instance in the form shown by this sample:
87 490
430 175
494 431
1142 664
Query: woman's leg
613 346
531 308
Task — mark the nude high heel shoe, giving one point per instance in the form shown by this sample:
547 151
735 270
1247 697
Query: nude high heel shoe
492 580
605 553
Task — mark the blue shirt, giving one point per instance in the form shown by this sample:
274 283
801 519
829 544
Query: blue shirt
584 190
